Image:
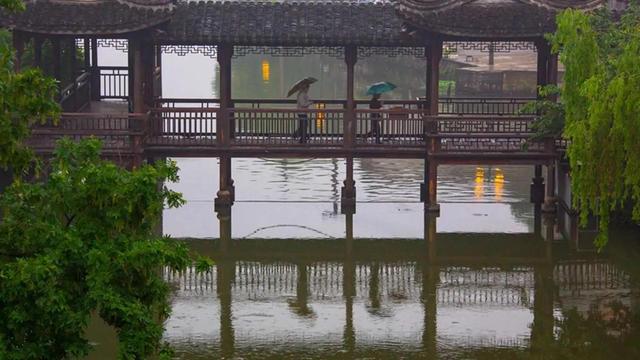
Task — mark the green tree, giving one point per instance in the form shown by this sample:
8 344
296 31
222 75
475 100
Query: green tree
601 55
83 242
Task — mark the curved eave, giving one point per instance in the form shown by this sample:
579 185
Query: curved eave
112 18
482 21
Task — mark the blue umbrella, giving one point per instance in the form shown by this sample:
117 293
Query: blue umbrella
380 87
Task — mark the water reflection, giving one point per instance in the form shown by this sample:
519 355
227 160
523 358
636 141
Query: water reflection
446 295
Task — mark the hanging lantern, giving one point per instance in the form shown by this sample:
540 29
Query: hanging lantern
266 70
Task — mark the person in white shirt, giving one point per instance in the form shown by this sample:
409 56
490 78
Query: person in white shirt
303 102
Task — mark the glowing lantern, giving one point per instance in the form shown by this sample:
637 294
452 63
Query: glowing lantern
266 71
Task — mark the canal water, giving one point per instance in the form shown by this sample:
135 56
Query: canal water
296 285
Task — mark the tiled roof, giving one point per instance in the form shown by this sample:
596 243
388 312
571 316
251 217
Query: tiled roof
286 23
295 23
491 19
87 17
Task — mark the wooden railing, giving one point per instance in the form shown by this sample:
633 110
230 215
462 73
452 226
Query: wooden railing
120 134
182 126
399 128
485 133
114 82
287 126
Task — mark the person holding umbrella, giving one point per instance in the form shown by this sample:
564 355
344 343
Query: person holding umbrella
302 102
376 90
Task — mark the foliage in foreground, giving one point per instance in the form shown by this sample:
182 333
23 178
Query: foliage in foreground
81 242
602 110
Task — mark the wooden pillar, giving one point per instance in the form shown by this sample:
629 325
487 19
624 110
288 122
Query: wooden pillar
56 54
87 54
434 55
157 80
37 53
223 125
544 52
142 84
224 196
95 71
18 46
431 180
226 193
350 58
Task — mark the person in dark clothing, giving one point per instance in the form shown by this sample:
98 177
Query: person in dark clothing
375 104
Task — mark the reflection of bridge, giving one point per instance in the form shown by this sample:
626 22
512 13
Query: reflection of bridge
386 277
401 281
